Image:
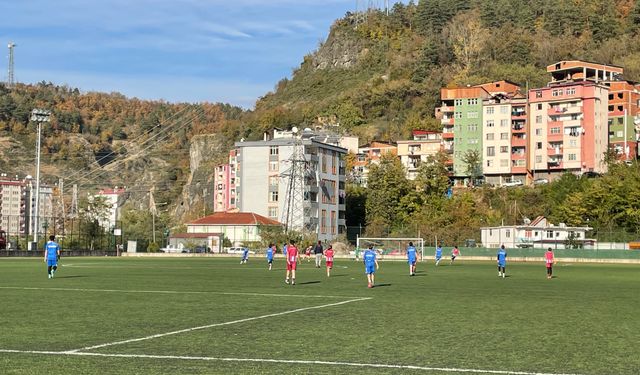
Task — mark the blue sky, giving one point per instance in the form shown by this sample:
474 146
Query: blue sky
230 51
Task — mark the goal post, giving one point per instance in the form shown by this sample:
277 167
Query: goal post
390 247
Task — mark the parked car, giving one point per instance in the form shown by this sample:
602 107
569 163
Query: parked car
200 249
513 183
540 181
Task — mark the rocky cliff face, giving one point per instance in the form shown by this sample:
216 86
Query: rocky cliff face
197 194
339 51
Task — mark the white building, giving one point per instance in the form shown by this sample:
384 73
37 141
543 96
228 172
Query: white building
262 188
537 234
13 205
115 199
238 227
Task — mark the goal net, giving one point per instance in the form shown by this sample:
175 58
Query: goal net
390 247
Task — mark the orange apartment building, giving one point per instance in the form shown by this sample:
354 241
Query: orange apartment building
370 153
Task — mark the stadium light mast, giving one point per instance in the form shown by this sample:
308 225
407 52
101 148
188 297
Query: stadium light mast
39 116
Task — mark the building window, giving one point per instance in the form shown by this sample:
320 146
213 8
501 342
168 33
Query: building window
273 212
555 130
458 102
457 115
273 166
489 136
538 159
324 162
504 109
491 151
538 119
490 110
334 224
504 149
538 131
490 123
273 181
549 234
571 91
573 143
504 136
472 141
472 114
472 127
323 222
539 145
273 150
504 162
473 101
273 196
489 163
572 157
507 233
539 106
620 134
504 123
557 92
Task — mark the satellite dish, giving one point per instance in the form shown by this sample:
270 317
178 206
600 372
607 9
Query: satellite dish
636 121
294 130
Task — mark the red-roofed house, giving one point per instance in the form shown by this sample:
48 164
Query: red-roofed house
238 227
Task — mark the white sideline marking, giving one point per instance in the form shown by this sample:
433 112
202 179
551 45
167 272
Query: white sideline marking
217 325
290 361
178 292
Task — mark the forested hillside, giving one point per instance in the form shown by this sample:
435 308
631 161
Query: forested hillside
379 76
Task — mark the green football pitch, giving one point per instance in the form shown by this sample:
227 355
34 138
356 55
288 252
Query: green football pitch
206 316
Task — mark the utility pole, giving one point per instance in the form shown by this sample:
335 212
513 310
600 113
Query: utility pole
73 211
10 76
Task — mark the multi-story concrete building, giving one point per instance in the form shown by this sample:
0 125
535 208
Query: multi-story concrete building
13 206
45 207
368 154
262 189
569 120
463 119
225 196
115 199
415 152
624 100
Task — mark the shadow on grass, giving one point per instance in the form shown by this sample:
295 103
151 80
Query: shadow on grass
310 282
381 285
69 277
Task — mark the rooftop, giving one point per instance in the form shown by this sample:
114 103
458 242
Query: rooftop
234 218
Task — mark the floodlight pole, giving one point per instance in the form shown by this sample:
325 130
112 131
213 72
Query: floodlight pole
39 116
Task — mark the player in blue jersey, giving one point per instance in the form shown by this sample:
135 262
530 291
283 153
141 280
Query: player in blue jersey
370 265
438 254
51 256
245 255
270 250
502 261
284 249
412 258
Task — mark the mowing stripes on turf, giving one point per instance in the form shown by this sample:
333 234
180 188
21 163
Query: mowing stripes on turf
178 292
287 361
217 325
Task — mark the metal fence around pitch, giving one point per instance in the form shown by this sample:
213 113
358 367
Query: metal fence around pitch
71 234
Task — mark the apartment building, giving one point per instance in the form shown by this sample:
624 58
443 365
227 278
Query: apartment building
262 183
224 182
13 206
369 153
413 153
115 199
624 116
462 115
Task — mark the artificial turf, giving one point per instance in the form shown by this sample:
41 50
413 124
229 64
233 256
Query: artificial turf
460 318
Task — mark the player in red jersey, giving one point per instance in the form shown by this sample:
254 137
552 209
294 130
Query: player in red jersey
292 261
328 254
549 261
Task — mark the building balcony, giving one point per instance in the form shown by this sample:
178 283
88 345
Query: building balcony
552 151
447 135
519 115
518 169
518 142
518 156
447 120
518 128
555 137
556 111
448 150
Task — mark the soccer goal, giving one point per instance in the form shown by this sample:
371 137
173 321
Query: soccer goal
390 247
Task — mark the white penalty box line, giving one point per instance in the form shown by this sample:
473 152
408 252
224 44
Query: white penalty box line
286 361
93 347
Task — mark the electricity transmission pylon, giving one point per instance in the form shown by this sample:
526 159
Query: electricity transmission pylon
294 176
